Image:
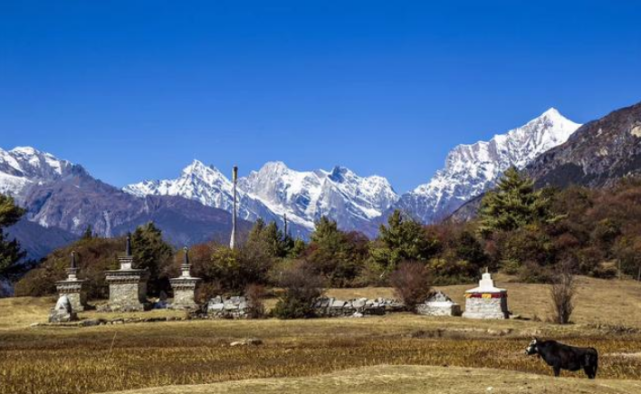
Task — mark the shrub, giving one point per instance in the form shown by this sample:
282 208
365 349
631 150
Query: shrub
411 283
95 256
302 286
562 294
254 295
531 272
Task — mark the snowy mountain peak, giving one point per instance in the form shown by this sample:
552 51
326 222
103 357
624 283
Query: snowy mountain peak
275 190
472 169
23 166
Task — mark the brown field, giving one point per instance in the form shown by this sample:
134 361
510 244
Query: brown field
55 360
409 379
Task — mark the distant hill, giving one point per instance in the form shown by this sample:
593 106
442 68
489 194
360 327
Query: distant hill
39 241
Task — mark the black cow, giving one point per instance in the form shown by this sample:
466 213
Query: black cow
560 356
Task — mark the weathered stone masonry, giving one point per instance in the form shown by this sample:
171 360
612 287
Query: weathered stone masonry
127 286
72 287
486 301
184 287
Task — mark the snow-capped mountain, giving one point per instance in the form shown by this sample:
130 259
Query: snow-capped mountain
207 185
305 196
471 170
61 199
276 190
22 167
198 181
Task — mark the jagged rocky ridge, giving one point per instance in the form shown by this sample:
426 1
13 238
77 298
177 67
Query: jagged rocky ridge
276 190
599 154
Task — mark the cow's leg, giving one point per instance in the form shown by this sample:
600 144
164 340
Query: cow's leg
588 371
557 371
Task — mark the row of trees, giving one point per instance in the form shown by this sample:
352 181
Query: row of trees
519 230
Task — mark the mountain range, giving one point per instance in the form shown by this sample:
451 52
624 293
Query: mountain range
362 203
195 206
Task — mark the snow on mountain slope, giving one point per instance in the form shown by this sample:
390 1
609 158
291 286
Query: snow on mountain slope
276 190
472 169
207 185
339 194
22 167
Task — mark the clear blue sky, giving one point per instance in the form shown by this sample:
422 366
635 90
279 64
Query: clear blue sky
135 90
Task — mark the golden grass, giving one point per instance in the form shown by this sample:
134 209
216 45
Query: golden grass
56 360
598 301
409 379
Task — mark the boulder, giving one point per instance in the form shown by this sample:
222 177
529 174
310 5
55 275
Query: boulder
62 312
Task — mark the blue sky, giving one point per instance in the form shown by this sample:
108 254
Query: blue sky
137 89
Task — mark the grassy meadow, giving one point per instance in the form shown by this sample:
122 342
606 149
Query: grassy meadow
115 358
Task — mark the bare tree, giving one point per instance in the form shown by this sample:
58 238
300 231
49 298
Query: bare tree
562 292
411 283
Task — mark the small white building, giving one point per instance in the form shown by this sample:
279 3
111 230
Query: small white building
439 304
486 301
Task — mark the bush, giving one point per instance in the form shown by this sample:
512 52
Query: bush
301 288
562 294
531 272
254 295
94 257
411 283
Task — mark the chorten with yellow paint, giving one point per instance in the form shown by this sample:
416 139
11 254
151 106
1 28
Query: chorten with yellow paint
486 301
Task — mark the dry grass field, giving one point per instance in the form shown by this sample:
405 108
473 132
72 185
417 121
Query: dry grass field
409 379
64 360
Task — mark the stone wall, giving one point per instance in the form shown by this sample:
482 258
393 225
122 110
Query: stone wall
332 307
236 307
227 308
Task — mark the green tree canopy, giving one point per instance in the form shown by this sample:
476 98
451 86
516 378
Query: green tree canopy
403 240
150 251
334 254
514 204
10 252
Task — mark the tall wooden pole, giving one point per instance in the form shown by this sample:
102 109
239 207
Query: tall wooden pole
232 241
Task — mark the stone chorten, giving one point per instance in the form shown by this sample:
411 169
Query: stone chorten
184 287
486 301
127 286
439 304
72 287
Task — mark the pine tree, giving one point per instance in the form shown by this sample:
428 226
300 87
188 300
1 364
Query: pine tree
402 240
88 234
513 204
256 231
10 252
332 254
150 251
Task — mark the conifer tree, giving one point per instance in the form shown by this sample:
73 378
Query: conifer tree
334 254
513 204
150 251
88 234
10 253
402 240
